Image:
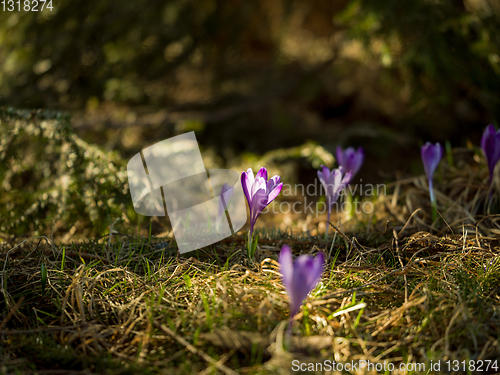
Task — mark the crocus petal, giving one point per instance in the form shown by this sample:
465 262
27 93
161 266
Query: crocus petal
334 184
225 187
259 192
246 190
259 201
350 159
274 193
251 178
340 155
273 182
326 173
490 153
497 148
336 177
320 176
302 266
431 156
249 182
226 192
258 184
312 269
306 274
286 266
318 266
490 143
360 158
322 179
347 178
488 132
334 187
262 173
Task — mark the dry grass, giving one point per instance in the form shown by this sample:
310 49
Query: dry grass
395 289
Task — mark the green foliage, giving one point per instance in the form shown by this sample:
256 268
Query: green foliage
115 50
50 178
447 50
264 72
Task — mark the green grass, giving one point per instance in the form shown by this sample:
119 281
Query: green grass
92 314
395 289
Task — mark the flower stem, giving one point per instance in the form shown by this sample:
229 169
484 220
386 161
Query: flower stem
434 212
249 245
433 202
327 220
349 200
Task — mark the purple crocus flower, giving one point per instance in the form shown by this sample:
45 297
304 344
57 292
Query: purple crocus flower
299 277
490 143
333 184
431 156
350 160
259 192
226 192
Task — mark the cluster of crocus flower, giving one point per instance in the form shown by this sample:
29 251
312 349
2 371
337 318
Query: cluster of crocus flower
259 193
299 277
432 155
302 275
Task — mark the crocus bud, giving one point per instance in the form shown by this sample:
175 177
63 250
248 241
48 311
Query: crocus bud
334 183
350 160
431 156
299 277
490 143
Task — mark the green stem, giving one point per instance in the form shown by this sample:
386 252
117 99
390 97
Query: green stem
249 247
434 212
252 244
433 202
349 200
327 220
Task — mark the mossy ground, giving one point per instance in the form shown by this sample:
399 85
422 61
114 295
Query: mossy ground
396 288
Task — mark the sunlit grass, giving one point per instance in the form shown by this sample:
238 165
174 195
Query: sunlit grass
103 306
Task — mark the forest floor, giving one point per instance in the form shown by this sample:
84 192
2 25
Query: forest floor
397 296
399 293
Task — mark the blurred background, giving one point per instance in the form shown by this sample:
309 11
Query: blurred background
253 76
